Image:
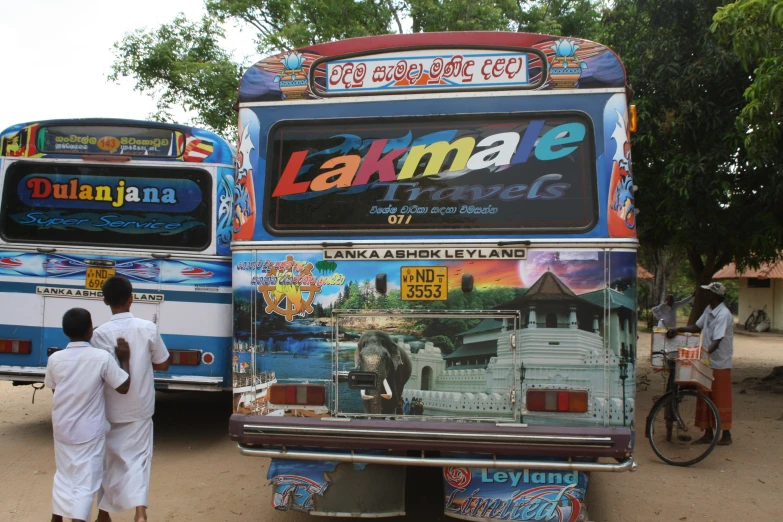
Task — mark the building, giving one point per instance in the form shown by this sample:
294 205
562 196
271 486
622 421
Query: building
760 288
567 341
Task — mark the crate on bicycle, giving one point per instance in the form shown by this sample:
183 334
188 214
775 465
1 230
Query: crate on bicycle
671 346
693 372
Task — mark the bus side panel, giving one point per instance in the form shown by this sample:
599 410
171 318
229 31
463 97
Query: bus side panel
576 340
196 315
21 313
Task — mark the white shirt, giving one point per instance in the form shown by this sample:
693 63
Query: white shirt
718 324
668 314
146 348
78 374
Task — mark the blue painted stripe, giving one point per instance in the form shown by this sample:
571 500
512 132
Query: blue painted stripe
169 295
43 338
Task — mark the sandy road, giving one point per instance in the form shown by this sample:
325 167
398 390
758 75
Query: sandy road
198 475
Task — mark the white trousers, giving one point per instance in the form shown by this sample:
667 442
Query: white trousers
126 476
78 477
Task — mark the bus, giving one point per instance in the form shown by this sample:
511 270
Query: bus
436 259
85 199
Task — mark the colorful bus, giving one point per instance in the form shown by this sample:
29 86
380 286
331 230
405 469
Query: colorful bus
85 199
436 258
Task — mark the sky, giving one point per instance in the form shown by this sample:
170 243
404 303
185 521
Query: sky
58 54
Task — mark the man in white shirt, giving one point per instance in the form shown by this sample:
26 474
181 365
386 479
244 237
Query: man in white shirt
78 376
717 323
667 311
126 478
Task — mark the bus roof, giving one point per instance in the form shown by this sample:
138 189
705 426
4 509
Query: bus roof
196 145
433 62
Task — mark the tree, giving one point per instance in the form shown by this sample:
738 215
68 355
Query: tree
754 29
287 24
181 64
699 187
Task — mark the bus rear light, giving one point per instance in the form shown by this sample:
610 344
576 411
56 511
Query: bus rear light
570 401
15 346
185 357
298 394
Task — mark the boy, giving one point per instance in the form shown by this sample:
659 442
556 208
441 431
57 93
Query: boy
126 477
77 376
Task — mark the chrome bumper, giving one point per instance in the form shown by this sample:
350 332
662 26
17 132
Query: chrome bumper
189 383
28 374
341 436
35 374
626 464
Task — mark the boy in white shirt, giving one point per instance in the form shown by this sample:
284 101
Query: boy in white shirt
77 376
126 477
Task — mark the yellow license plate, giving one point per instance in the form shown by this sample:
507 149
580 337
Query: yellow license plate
97 276
424 283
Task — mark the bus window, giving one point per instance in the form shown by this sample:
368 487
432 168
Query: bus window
495 173
107 205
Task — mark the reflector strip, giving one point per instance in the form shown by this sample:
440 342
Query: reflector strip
567 401
297 394
185 357
15 346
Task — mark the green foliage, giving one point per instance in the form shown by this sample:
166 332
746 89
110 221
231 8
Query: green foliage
754 29
181 64
460 15
699 188
286 24
443 342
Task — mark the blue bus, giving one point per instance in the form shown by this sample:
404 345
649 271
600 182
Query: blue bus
85 199
435 266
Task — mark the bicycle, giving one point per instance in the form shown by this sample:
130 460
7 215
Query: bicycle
671 424
755 318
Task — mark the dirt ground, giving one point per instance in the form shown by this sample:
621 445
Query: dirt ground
198 475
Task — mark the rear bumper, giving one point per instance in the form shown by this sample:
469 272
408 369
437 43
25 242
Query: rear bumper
34 374
28 374
626 464
254 433
189 383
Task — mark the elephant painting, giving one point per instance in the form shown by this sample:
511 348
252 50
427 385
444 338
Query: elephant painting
377 353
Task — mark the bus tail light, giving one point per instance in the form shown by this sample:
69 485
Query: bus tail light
298 394
185 357
15 346
569 401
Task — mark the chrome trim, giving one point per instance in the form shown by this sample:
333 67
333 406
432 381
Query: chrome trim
33 370
348 514
410 435
190 383
627 464
358 243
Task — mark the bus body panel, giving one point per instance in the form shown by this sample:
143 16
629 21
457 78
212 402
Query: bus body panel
380 329
186 293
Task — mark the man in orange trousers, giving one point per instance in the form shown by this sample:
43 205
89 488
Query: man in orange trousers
717 324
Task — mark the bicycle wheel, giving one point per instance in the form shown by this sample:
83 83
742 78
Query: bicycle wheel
673 431
750 321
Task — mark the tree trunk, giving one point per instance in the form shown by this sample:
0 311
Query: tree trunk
704 267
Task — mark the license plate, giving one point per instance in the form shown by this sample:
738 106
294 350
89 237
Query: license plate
97 276
424 283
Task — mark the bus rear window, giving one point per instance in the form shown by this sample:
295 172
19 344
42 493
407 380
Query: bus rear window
153 207
495 173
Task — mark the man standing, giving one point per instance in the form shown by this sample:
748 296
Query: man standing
126 478
717 323
667 311
78 376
